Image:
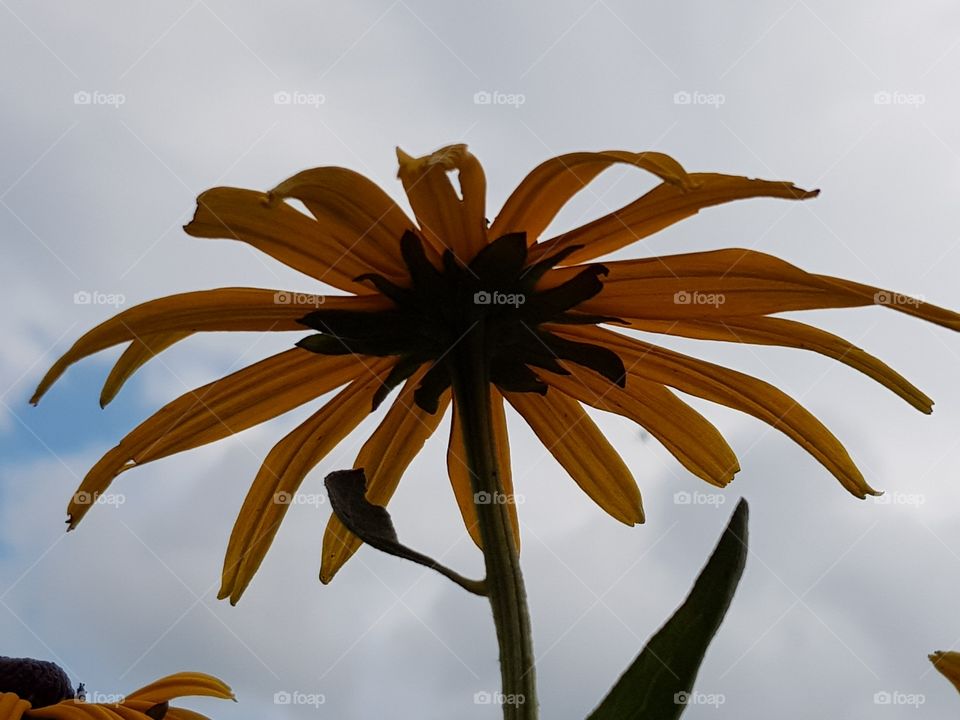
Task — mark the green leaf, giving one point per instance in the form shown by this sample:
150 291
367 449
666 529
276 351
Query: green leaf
658 683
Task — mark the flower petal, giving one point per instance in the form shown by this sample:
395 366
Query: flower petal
284 470
133 358
234 309
734 390
663 206
689 436
12 707
384 457
355 212
580 447
176 713
226 406
459 473
72 710
181 685
447 221
548 187
284 233
790 333
729 283
948 663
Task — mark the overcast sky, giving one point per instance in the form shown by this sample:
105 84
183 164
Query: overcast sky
115 116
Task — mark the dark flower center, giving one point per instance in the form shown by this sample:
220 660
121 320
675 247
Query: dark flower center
493 298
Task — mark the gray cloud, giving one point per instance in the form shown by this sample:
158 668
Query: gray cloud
842 599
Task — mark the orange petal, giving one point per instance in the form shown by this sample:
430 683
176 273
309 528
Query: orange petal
226 406
459 472
729 283
581 448
284 470
71 710
689 437
447 221
284 233
134 711
663 206
869 295
948 663
735 390
235 309
182 684
548 187
133 358
176 713
355 213
790 333
12 707
384 457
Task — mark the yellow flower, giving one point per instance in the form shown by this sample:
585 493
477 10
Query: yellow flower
147 703
419 288
948 663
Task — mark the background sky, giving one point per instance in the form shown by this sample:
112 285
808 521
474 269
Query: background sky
841 600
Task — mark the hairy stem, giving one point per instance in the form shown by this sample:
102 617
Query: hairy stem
504 581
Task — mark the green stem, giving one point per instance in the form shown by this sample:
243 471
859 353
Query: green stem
508 597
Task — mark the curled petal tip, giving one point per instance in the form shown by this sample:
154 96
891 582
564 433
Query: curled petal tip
403 158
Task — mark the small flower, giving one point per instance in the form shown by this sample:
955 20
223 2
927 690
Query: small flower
40 689
542 309
948 663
